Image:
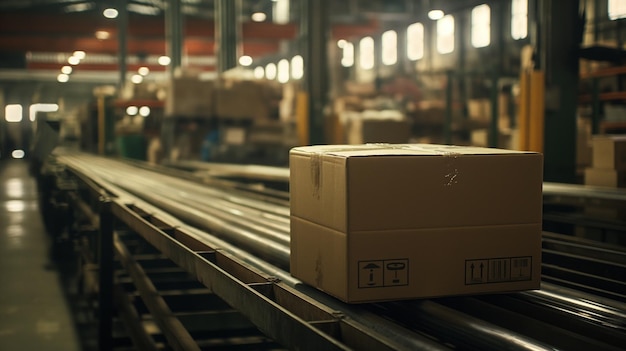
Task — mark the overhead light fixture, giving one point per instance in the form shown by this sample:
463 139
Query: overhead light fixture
73 60
245 60
80 7
136 78
63 78
144 111
270 71
110 13
132 110
297 67
283 71
341 43
259 72
164 60
143 9
17 154
66 69
143 71
79 54
435 14
102 35
259 17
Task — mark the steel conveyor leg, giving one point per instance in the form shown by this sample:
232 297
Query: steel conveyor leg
105 291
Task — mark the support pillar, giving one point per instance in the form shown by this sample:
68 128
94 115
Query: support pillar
173 35
122 35
558 54
314 40
227 34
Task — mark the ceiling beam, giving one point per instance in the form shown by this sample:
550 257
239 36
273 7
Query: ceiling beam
138 26
151 46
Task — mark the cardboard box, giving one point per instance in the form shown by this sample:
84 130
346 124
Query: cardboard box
609 151
378 131
605 177
479 109
247 100
189 97
387 222
480 137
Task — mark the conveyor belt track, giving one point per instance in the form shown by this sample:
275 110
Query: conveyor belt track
160 208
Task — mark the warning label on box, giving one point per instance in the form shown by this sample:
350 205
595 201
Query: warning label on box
497 270
383 273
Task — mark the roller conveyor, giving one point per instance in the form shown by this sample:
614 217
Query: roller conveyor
263 244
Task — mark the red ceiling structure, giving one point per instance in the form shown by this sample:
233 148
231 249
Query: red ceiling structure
23 32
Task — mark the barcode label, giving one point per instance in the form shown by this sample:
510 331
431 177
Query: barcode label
497 270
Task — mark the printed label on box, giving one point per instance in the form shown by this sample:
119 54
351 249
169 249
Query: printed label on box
497 270
383 273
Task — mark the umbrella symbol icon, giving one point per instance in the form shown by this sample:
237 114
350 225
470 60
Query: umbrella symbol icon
371 267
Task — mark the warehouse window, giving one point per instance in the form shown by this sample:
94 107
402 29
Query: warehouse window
270 71
390 47
13 113
347 57
617 9
415 41
366 53
481 26
283 71
297 67
280 11
34 108
519 19
445 34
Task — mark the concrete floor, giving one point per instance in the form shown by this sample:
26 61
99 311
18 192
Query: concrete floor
34 313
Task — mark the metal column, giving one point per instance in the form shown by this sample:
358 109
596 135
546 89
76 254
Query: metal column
227 34
558 30
122 28
314 39
173 34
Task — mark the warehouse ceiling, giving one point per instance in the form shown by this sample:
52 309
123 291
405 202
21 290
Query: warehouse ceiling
37 37
41 34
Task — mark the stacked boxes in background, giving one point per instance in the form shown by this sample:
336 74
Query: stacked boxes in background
609 162
385 222
247 100
377 127
190 97
480 111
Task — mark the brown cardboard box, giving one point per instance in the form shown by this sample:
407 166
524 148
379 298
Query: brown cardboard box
479 109
386 222
480 137
609 151
605 177
247 100
189 97
378 131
